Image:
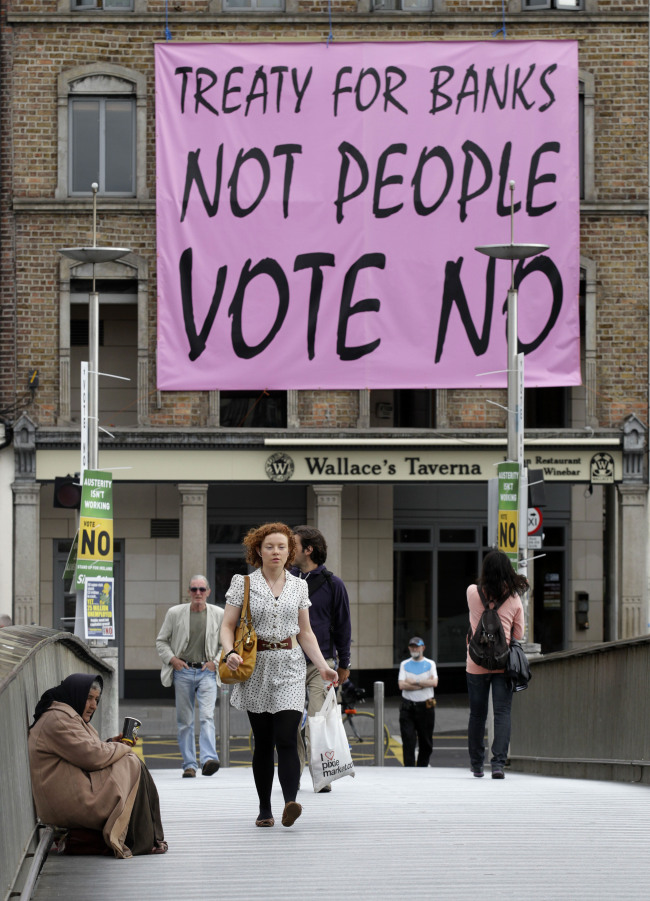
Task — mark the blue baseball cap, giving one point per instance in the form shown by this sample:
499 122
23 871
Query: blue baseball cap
417 642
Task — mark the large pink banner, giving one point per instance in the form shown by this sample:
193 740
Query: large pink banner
319 208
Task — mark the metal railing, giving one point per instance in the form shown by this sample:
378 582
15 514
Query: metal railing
379 723
224 725
586 714
32 659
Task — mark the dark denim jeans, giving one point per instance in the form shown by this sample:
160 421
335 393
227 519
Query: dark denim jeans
478 688
416 725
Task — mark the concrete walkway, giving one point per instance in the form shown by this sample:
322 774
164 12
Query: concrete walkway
389 833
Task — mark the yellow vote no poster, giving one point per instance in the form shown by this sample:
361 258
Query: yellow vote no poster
95 542
508 516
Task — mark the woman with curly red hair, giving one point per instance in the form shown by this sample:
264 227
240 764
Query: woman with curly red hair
274 696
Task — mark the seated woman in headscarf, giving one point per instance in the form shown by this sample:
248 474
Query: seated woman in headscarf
80 781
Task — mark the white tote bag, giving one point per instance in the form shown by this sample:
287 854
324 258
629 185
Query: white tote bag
330 757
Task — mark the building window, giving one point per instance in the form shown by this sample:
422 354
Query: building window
553 4
404 409
118 348
80 330
581 138
253 4
414 409
547 408
253 409
123 339
586 128
102 120
405 5
102 4
102 145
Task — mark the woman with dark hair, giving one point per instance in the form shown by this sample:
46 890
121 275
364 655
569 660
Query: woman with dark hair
274 696
502 588
84 783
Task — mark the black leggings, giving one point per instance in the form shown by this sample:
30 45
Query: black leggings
279 731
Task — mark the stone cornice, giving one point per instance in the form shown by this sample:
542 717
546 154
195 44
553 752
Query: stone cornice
206 439
403 19
79 204
613 208
48 205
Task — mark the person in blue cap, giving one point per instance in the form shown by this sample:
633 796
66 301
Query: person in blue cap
417 715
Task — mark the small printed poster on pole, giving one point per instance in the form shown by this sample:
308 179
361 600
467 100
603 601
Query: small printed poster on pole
70 564
95 539
99 608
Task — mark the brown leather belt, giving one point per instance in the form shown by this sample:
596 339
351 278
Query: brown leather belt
286 644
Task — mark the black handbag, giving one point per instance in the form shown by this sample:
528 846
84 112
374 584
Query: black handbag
517 668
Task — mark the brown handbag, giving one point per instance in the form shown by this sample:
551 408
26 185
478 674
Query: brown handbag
245 644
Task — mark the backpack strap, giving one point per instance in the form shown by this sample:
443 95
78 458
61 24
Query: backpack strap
314 584
485 601
486 606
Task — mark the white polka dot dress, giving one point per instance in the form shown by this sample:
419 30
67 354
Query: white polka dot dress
278 680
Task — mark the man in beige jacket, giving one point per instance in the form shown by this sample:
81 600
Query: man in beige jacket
188 645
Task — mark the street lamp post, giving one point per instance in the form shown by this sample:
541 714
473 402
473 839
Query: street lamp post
93 255
89 440
515 370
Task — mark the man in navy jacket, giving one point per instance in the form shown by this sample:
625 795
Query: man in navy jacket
329 616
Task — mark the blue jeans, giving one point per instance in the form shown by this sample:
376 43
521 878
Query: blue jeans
202 685
478 687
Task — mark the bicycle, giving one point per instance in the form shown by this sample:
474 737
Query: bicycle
359 724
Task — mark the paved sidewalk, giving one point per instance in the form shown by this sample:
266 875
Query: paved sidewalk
386 834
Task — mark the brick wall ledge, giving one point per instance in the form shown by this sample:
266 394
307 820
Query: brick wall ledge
73 204
132 204
614 207
340 18
205 438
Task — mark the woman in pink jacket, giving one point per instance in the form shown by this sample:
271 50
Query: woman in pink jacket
502 587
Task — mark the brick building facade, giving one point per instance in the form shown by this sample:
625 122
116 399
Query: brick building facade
406 547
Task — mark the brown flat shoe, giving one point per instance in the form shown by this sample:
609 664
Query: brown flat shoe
269 821
291 812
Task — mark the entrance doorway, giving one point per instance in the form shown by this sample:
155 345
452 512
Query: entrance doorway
413 590
432 569
226 557
457 562
233 509
549 592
